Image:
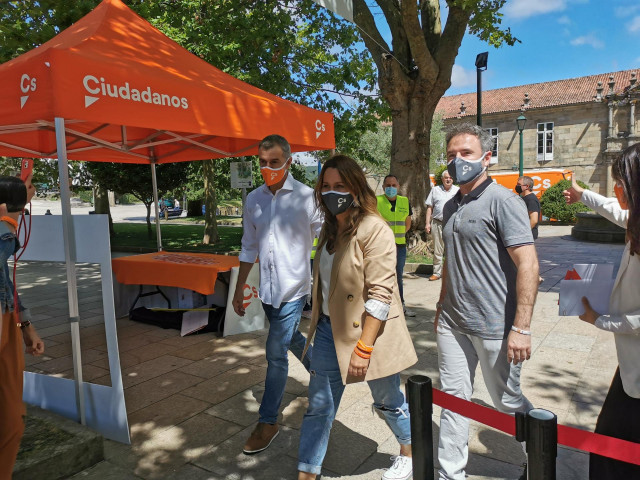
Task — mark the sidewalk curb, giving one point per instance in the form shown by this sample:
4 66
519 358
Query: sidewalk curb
83 449
418 268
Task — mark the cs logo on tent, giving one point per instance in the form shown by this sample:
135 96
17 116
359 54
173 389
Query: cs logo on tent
319 128
27 84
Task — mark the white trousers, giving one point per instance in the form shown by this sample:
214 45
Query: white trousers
458 357
438 246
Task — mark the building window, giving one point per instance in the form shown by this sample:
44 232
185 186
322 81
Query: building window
545 142
494 150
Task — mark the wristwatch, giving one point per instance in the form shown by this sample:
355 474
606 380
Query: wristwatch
25 324
438 306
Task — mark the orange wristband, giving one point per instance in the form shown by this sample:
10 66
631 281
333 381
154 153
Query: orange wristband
362 354
365 348
10 221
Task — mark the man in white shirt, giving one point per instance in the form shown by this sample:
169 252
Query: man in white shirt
438 196
280 220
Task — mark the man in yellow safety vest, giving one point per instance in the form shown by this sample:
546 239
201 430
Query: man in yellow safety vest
395 209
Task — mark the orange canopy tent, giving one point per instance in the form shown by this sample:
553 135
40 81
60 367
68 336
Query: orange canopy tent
113 88
130 94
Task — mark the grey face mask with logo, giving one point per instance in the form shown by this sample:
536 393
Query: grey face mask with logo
337 202
464 171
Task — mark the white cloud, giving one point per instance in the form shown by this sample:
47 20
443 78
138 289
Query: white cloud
623 12
461 77
564 20
634 25
529 8
590 40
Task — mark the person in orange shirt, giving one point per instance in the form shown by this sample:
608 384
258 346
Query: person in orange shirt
15 327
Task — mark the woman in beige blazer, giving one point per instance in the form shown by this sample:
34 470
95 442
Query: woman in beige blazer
357 320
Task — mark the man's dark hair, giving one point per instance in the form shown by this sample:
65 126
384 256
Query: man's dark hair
270 141
13 192
486 141
390 176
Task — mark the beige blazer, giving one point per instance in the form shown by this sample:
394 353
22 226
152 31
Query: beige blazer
365 268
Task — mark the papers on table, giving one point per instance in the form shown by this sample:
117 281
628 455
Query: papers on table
595 282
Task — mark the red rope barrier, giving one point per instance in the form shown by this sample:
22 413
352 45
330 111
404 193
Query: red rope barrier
615 448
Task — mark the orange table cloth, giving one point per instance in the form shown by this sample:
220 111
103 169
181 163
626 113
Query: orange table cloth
194 271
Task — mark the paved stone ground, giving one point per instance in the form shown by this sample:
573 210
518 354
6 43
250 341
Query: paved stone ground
193 401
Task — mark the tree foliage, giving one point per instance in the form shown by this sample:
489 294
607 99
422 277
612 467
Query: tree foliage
553 204
414 72
136 179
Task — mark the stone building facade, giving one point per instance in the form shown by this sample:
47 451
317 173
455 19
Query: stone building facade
580 124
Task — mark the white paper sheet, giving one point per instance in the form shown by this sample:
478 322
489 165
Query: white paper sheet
597 291
589 271
193 321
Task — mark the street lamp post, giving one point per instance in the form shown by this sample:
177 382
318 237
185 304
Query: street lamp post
520 121
481 65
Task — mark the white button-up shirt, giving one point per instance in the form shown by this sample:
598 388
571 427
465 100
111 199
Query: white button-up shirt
438 196
279 229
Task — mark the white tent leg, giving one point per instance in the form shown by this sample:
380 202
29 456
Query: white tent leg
70 256
154 182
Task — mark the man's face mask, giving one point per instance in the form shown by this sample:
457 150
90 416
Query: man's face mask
391 192
464 171
337 202
272 176
518 189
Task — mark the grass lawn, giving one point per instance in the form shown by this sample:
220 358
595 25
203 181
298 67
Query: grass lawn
175 237
199 220
411 258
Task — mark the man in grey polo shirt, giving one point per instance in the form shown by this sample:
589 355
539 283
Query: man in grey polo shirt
489 287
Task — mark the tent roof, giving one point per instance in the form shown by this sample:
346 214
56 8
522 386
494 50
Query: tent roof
128 93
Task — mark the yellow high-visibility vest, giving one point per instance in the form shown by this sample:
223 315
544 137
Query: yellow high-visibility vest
395 219
314 248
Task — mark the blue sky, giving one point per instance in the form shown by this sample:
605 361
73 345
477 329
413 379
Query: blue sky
560 39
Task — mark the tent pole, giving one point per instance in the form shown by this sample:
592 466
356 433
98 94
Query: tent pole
68 235
154 182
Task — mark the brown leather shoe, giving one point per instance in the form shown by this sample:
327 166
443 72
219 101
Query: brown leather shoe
260 438
434 277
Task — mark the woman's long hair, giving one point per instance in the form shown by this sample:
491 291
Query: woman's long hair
13 192
365 202
626 171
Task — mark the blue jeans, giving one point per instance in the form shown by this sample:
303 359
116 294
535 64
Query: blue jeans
401 258
325 392
283 335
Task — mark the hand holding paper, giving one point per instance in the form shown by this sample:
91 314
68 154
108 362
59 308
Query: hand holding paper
589 315
592 281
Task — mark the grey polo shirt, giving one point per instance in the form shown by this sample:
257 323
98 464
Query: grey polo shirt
480 276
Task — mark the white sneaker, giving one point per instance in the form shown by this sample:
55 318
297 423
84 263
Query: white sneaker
402 469
408 313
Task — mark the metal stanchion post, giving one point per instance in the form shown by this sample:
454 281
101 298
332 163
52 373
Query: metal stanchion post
420 399
539 429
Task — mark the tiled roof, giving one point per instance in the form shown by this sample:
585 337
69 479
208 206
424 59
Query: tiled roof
560 92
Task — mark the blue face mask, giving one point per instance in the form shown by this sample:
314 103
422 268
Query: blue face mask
391 192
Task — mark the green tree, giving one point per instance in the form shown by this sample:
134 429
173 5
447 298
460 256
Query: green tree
553 204
136 179
414 72
290 48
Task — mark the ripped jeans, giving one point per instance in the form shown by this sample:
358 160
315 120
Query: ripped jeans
325 392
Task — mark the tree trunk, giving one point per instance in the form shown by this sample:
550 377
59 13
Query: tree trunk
412 115
210 225
149 231
101 204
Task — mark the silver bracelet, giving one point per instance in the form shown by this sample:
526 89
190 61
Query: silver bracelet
520 331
